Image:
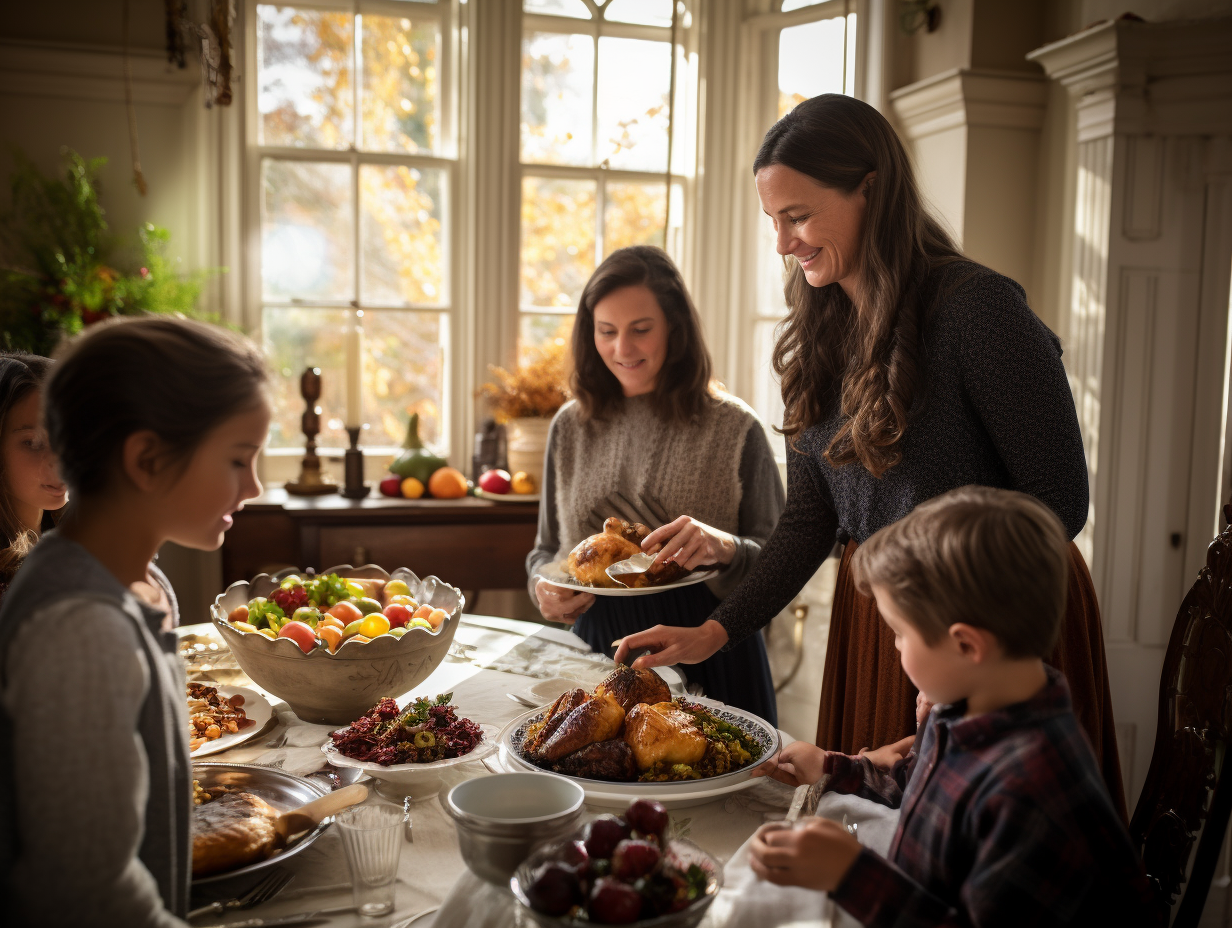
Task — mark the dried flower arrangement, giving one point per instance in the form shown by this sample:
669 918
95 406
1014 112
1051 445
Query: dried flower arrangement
535 389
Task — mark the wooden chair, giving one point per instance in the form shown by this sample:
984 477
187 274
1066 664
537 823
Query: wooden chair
1182 815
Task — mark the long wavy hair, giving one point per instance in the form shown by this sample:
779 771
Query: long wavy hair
683 386
20 375
866 356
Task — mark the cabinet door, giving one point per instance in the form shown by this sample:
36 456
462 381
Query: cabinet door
471 557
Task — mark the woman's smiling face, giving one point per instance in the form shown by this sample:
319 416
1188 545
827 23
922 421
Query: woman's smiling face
820 227
631 337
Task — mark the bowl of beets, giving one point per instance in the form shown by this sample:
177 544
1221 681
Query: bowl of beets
619 870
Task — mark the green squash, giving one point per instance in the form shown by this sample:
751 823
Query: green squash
416 461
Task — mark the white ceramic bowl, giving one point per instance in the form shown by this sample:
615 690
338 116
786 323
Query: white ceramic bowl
419 781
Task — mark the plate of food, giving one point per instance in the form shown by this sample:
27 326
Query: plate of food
220 717
507 497
405 749
629 738
232 805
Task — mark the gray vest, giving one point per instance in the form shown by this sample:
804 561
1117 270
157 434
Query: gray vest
56 569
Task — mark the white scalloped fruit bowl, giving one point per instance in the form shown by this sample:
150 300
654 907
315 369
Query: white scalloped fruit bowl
338 688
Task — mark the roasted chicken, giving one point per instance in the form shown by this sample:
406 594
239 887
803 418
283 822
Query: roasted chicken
629 687
597 719
619 540
231 831
663 732
538 734
604 760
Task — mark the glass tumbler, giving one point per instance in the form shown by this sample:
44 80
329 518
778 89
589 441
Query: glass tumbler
372 839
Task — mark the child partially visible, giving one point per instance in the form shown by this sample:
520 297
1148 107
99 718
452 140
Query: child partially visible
157 423
1005 817
30 486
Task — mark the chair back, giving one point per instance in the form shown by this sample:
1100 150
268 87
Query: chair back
1182 814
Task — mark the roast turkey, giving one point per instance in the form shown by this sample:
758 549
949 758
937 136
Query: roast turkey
629 687
597 719
663 732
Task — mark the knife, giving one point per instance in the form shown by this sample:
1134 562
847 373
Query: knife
304 918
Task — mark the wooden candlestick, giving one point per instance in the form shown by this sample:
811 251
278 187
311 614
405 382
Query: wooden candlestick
353 469
310 482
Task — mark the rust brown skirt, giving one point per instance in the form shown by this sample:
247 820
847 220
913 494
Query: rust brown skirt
867 700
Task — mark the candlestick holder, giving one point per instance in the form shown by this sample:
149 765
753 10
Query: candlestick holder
310 482
353 468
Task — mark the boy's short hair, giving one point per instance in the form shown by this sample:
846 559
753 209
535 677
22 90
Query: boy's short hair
994 559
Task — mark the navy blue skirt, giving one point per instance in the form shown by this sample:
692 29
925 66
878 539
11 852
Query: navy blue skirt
739 677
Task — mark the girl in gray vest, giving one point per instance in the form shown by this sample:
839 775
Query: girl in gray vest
157 424
649 435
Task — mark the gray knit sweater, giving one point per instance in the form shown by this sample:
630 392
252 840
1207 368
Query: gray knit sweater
995 410
720 471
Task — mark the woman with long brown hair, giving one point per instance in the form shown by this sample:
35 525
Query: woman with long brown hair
649 438
907 370
30 486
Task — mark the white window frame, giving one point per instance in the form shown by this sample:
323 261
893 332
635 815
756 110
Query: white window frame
597 27
282 464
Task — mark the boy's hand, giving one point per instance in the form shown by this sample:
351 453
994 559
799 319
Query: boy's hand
815 855
795 765
888 755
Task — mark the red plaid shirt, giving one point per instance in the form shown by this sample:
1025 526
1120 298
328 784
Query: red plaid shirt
1005 821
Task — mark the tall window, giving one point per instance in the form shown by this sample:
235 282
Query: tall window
810 49
598 125
355 149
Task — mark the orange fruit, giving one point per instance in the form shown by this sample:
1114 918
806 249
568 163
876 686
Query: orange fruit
522 483
447 483
330 635
436 617
423 611
412 488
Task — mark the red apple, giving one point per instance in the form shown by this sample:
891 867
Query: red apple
494 481
391 486
398 615
301 634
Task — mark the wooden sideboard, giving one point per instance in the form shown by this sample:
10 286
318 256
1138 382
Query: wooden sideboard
474 544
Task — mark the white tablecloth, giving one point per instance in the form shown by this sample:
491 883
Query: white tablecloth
490 658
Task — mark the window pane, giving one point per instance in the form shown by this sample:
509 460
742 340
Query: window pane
295 339
633 214
306 231
810 61
558 240
401 235
770 271
575 8
401 84
557 84
634 80
404 372
304 77
850 77
647 12
789 5
535 330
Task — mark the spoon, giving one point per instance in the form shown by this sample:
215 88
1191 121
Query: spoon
523 701
294 821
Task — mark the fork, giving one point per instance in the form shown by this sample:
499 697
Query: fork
262 892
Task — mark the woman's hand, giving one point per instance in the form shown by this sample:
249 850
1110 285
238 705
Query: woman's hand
815 855
795 765
690 544
888 755
670 644
559 604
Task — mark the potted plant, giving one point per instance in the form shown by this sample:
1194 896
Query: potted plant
524 401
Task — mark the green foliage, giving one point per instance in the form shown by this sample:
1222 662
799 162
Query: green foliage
61 268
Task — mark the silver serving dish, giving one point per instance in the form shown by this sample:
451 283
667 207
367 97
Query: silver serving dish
281 790
680 852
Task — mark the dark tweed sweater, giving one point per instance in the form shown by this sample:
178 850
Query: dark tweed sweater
995 409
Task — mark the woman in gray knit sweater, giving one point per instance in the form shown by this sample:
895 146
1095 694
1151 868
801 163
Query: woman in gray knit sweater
647 434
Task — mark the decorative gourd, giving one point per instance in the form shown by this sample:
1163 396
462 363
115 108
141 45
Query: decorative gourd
416 461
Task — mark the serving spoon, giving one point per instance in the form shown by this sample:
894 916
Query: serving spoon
308 816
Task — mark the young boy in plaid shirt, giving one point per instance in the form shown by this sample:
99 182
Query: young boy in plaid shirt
1005 818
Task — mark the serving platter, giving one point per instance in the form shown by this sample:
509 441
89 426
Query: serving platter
280 789
507 497
256 707
556 575
677 794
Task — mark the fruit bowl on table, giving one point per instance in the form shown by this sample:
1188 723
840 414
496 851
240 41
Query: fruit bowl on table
419 781
337 687
680 853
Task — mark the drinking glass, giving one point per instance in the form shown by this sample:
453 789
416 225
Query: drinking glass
372 839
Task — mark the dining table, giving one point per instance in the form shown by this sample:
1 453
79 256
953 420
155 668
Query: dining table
490 658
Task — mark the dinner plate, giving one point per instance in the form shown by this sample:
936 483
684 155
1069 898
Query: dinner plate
673 795
256 707
420 781
555 574
507 497
282 790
